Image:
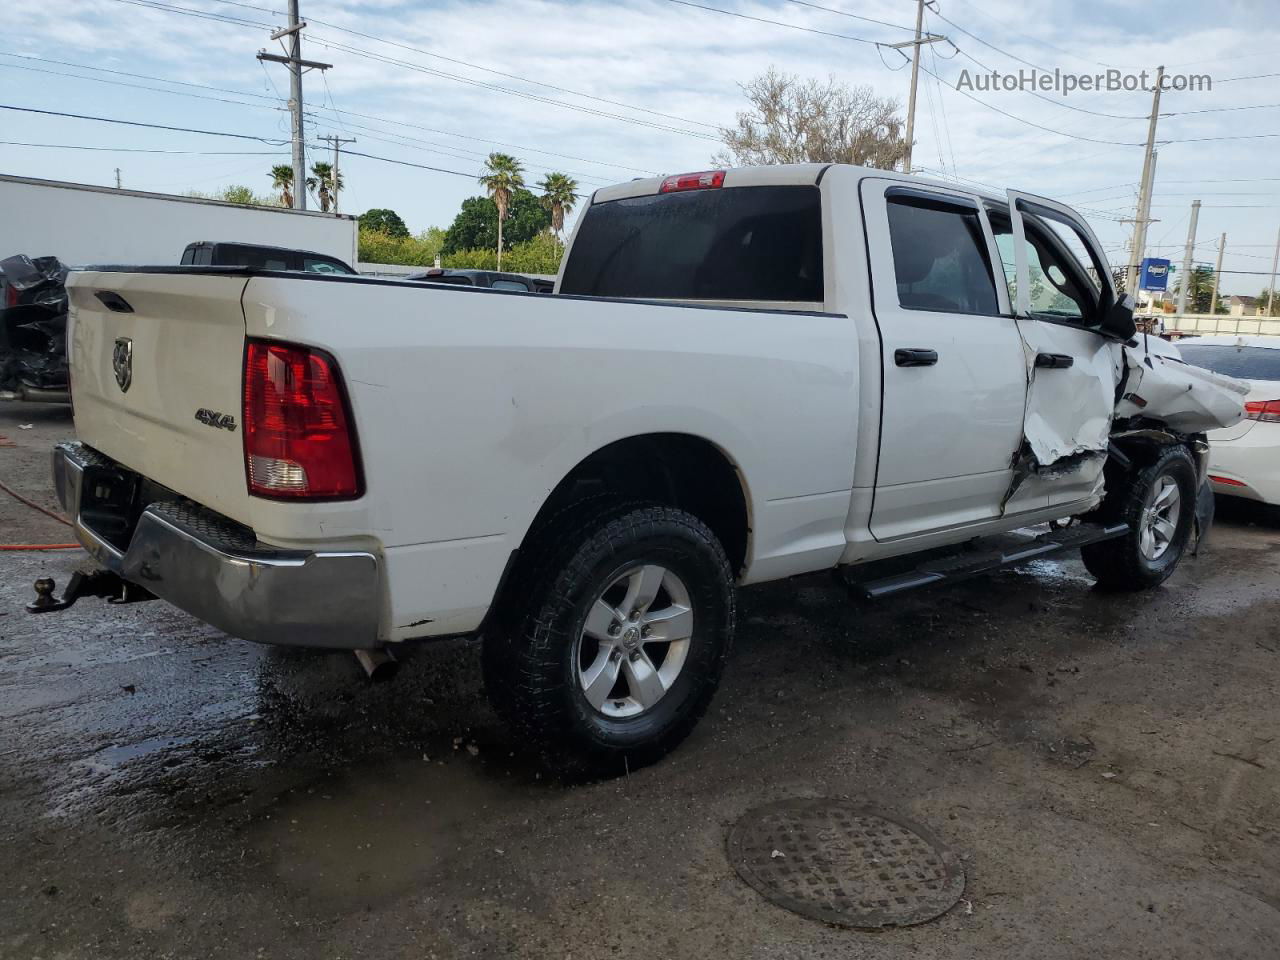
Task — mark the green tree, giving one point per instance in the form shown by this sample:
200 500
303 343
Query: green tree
282 179
541 254
238 193
1199 289
475 226
559 193
1262 303
321 181
376 246
384 220
503 176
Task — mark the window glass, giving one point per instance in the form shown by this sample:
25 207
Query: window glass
940 257
1061 288
509 285
315 265
1251 363
730 243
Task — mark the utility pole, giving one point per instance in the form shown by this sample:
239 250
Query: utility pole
295 64
118 179
337 145
1143 216
1186 257
915 76
1217 272
1275 261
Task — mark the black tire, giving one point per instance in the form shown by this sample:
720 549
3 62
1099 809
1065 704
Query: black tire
1121 564
531 658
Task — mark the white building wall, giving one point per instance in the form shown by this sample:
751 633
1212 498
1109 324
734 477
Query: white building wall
83 224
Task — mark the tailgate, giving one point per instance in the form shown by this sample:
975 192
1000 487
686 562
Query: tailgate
156 367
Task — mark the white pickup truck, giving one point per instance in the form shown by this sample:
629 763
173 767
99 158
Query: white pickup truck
745 375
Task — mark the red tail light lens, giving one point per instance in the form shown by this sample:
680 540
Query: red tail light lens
1225 481
299 441
693 181
1268 410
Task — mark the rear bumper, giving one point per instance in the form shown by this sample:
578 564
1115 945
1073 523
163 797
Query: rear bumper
215 569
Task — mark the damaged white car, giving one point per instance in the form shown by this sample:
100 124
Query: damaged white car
745 375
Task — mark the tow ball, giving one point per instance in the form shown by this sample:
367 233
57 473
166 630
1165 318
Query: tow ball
97 583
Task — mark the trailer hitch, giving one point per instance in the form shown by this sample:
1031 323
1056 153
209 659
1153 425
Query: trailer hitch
97 583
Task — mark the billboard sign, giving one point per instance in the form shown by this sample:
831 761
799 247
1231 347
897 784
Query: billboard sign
1155 274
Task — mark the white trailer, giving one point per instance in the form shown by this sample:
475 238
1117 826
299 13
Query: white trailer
82 224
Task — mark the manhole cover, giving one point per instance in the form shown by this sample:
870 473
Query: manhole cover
841 863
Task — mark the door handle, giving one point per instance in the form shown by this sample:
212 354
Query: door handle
915 357
1054 361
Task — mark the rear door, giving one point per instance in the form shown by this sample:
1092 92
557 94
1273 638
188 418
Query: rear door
1060 283
156 362
954 372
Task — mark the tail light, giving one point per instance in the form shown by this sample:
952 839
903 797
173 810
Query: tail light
1225 481
299 439
693 181
1268 410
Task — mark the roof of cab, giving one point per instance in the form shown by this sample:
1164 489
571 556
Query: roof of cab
786 173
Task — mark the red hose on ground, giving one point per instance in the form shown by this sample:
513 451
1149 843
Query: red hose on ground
48 513
32 504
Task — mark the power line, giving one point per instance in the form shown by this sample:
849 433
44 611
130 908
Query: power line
1032 123
481 67
1037 40
274 142
201 153
851 16
272 101
778 23
332 44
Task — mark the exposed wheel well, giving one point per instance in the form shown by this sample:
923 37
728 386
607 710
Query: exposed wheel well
676 469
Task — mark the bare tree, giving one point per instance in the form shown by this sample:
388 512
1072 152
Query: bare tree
809 121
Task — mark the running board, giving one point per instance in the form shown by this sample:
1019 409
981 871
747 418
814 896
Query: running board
986 554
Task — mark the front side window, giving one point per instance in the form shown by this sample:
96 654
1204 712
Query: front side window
317 265
1061 288
940 257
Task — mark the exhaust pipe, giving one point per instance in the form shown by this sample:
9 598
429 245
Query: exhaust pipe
378 664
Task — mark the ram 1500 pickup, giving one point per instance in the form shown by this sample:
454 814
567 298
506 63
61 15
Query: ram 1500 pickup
744 375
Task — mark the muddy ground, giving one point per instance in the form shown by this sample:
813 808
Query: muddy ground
1107 766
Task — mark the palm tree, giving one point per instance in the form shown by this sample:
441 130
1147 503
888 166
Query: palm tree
282 180
503 176
559 193
322 183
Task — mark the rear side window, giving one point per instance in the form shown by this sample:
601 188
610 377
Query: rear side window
940 257
1251 363
323 265
733 243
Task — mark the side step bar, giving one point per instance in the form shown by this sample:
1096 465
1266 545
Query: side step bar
986 554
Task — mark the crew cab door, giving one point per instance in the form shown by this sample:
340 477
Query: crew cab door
1060 284
954 371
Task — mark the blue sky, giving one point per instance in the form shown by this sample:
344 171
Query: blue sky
536 77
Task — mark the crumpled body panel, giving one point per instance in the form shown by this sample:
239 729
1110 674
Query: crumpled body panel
1069 411
1186 398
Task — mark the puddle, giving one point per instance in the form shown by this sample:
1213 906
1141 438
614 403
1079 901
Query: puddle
362 838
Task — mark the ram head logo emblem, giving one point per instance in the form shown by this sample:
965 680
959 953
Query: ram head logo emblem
122 362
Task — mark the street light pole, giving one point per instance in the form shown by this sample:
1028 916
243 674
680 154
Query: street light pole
1186 257
1143 216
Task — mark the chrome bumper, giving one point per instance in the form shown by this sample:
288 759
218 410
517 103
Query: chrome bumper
215 569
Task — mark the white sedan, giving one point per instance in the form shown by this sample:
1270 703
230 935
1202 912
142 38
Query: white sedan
1244 460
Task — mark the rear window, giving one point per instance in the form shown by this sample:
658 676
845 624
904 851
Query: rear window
1251 363
736 243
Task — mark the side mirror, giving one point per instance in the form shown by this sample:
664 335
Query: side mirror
1117 319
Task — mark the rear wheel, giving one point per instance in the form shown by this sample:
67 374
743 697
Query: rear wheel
1158 503
625 616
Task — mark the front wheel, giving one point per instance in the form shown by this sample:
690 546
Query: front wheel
626 617
1158 503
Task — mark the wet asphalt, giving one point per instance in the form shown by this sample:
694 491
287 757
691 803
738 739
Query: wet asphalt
1106 766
